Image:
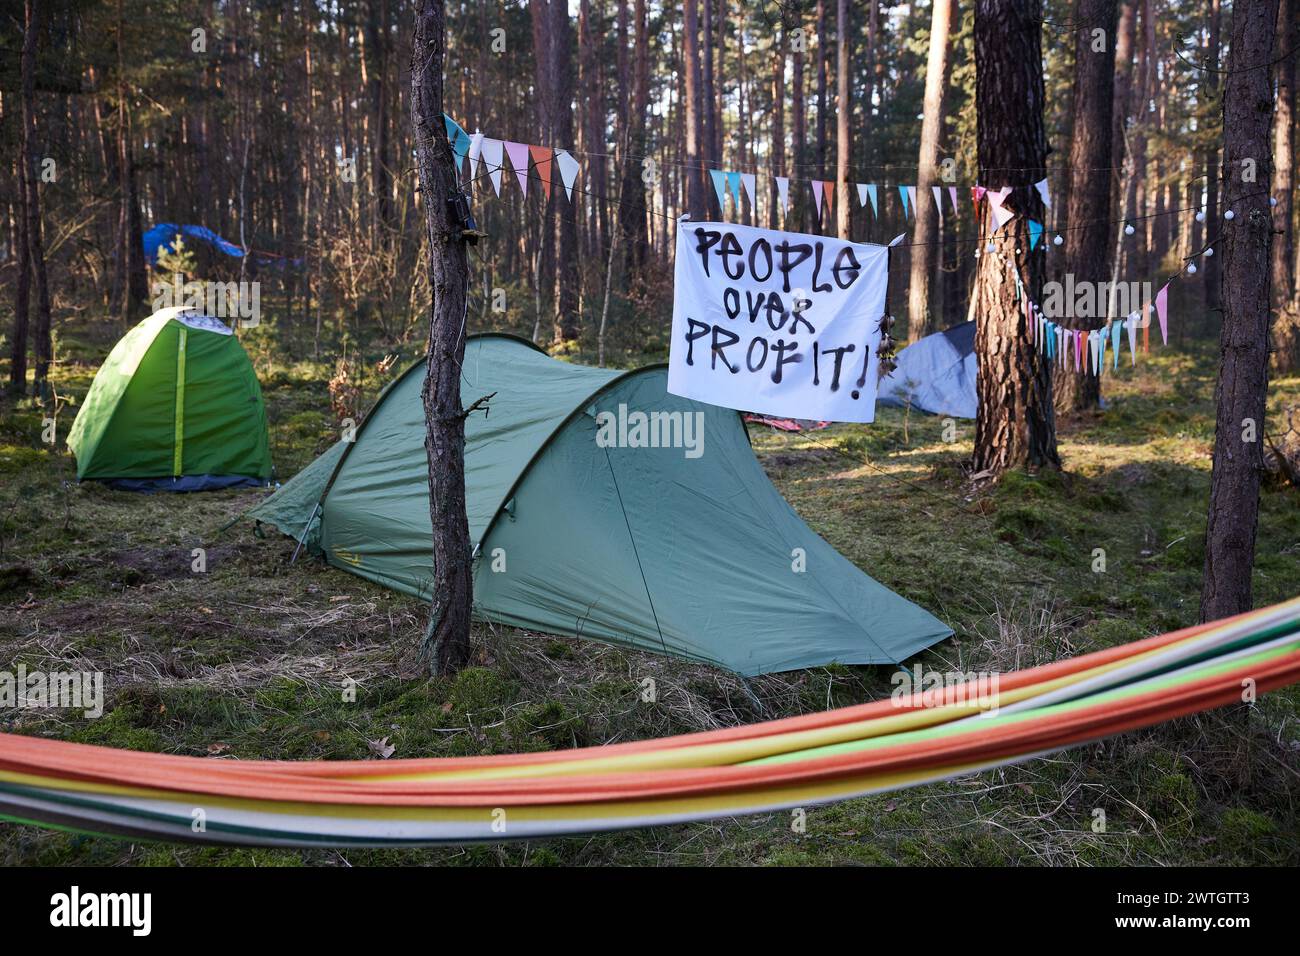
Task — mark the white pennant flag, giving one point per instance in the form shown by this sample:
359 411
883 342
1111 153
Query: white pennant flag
1001 214
783 190
568 170
492 150
748 181
1041 186
938 201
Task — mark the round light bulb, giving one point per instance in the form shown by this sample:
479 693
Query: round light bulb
1057 241
1229 215
989 247
1272 200
1209 251
1129 230
1191 268
1200 217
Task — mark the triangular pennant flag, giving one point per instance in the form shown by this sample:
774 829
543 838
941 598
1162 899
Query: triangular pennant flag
902 194
1092 352
1116 330
568 170
733 185
454 129
1035 233
460 146
830 198
1131 325
938 201
1079 360
543 159
862 194
783 190
817 195
911 198
1162 304
1041 186
749 182
492 160
475 150
871 194
898 238
952 194
977 193
1101 350
518 154
719 187
1001 214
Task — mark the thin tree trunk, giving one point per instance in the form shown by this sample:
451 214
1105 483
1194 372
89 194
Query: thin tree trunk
696 202
1213 213
843 114
1243 368
926 248
1283 166
1015 425
1090 153
22 288
35 241
445 647
774 211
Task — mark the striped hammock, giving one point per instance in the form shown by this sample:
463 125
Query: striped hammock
795 762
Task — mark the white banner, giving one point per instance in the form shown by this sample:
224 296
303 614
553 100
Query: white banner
778 323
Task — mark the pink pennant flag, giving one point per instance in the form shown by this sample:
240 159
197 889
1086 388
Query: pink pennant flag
518 153
952 194
1001 214
1078 350
817 186
543 159
1162 304
977 193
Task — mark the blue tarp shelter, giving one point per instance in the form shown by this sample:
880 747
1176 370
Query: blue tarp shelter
937 374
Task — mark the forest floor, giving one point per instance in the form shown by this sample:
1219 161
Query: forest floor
247 659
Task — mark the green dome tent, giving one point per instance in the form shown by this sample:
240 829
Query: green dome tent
175 406
688 551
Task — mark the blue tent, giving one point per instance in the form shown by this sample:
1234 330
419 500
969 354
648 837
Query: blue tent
936 374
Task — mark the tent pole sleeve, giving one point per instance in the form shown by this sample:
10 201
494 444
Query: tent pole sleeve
178 443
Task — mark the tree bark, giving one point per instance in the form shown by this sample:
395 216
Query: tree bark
1015 425
843 113
22 288
42 343
445 647
1210 264
926 248
1242 388
1089 198
695 195
1283 149
633 190
798 122
778 122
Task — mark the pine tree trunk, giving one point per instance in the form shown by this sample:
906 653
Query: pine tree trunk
1086 244
843 114
926 248
1015 424
568 277
636 172
1213 211
446 646
696 203
1283 161
22 288
778 124
1243 368
42 341
798 128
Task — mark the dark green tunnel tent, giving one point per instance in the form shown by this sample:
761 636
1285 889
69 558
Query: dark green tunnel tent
175 406
648 547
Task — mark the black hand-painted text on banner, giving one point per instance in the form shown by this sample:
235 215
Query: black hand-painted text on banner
776 322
